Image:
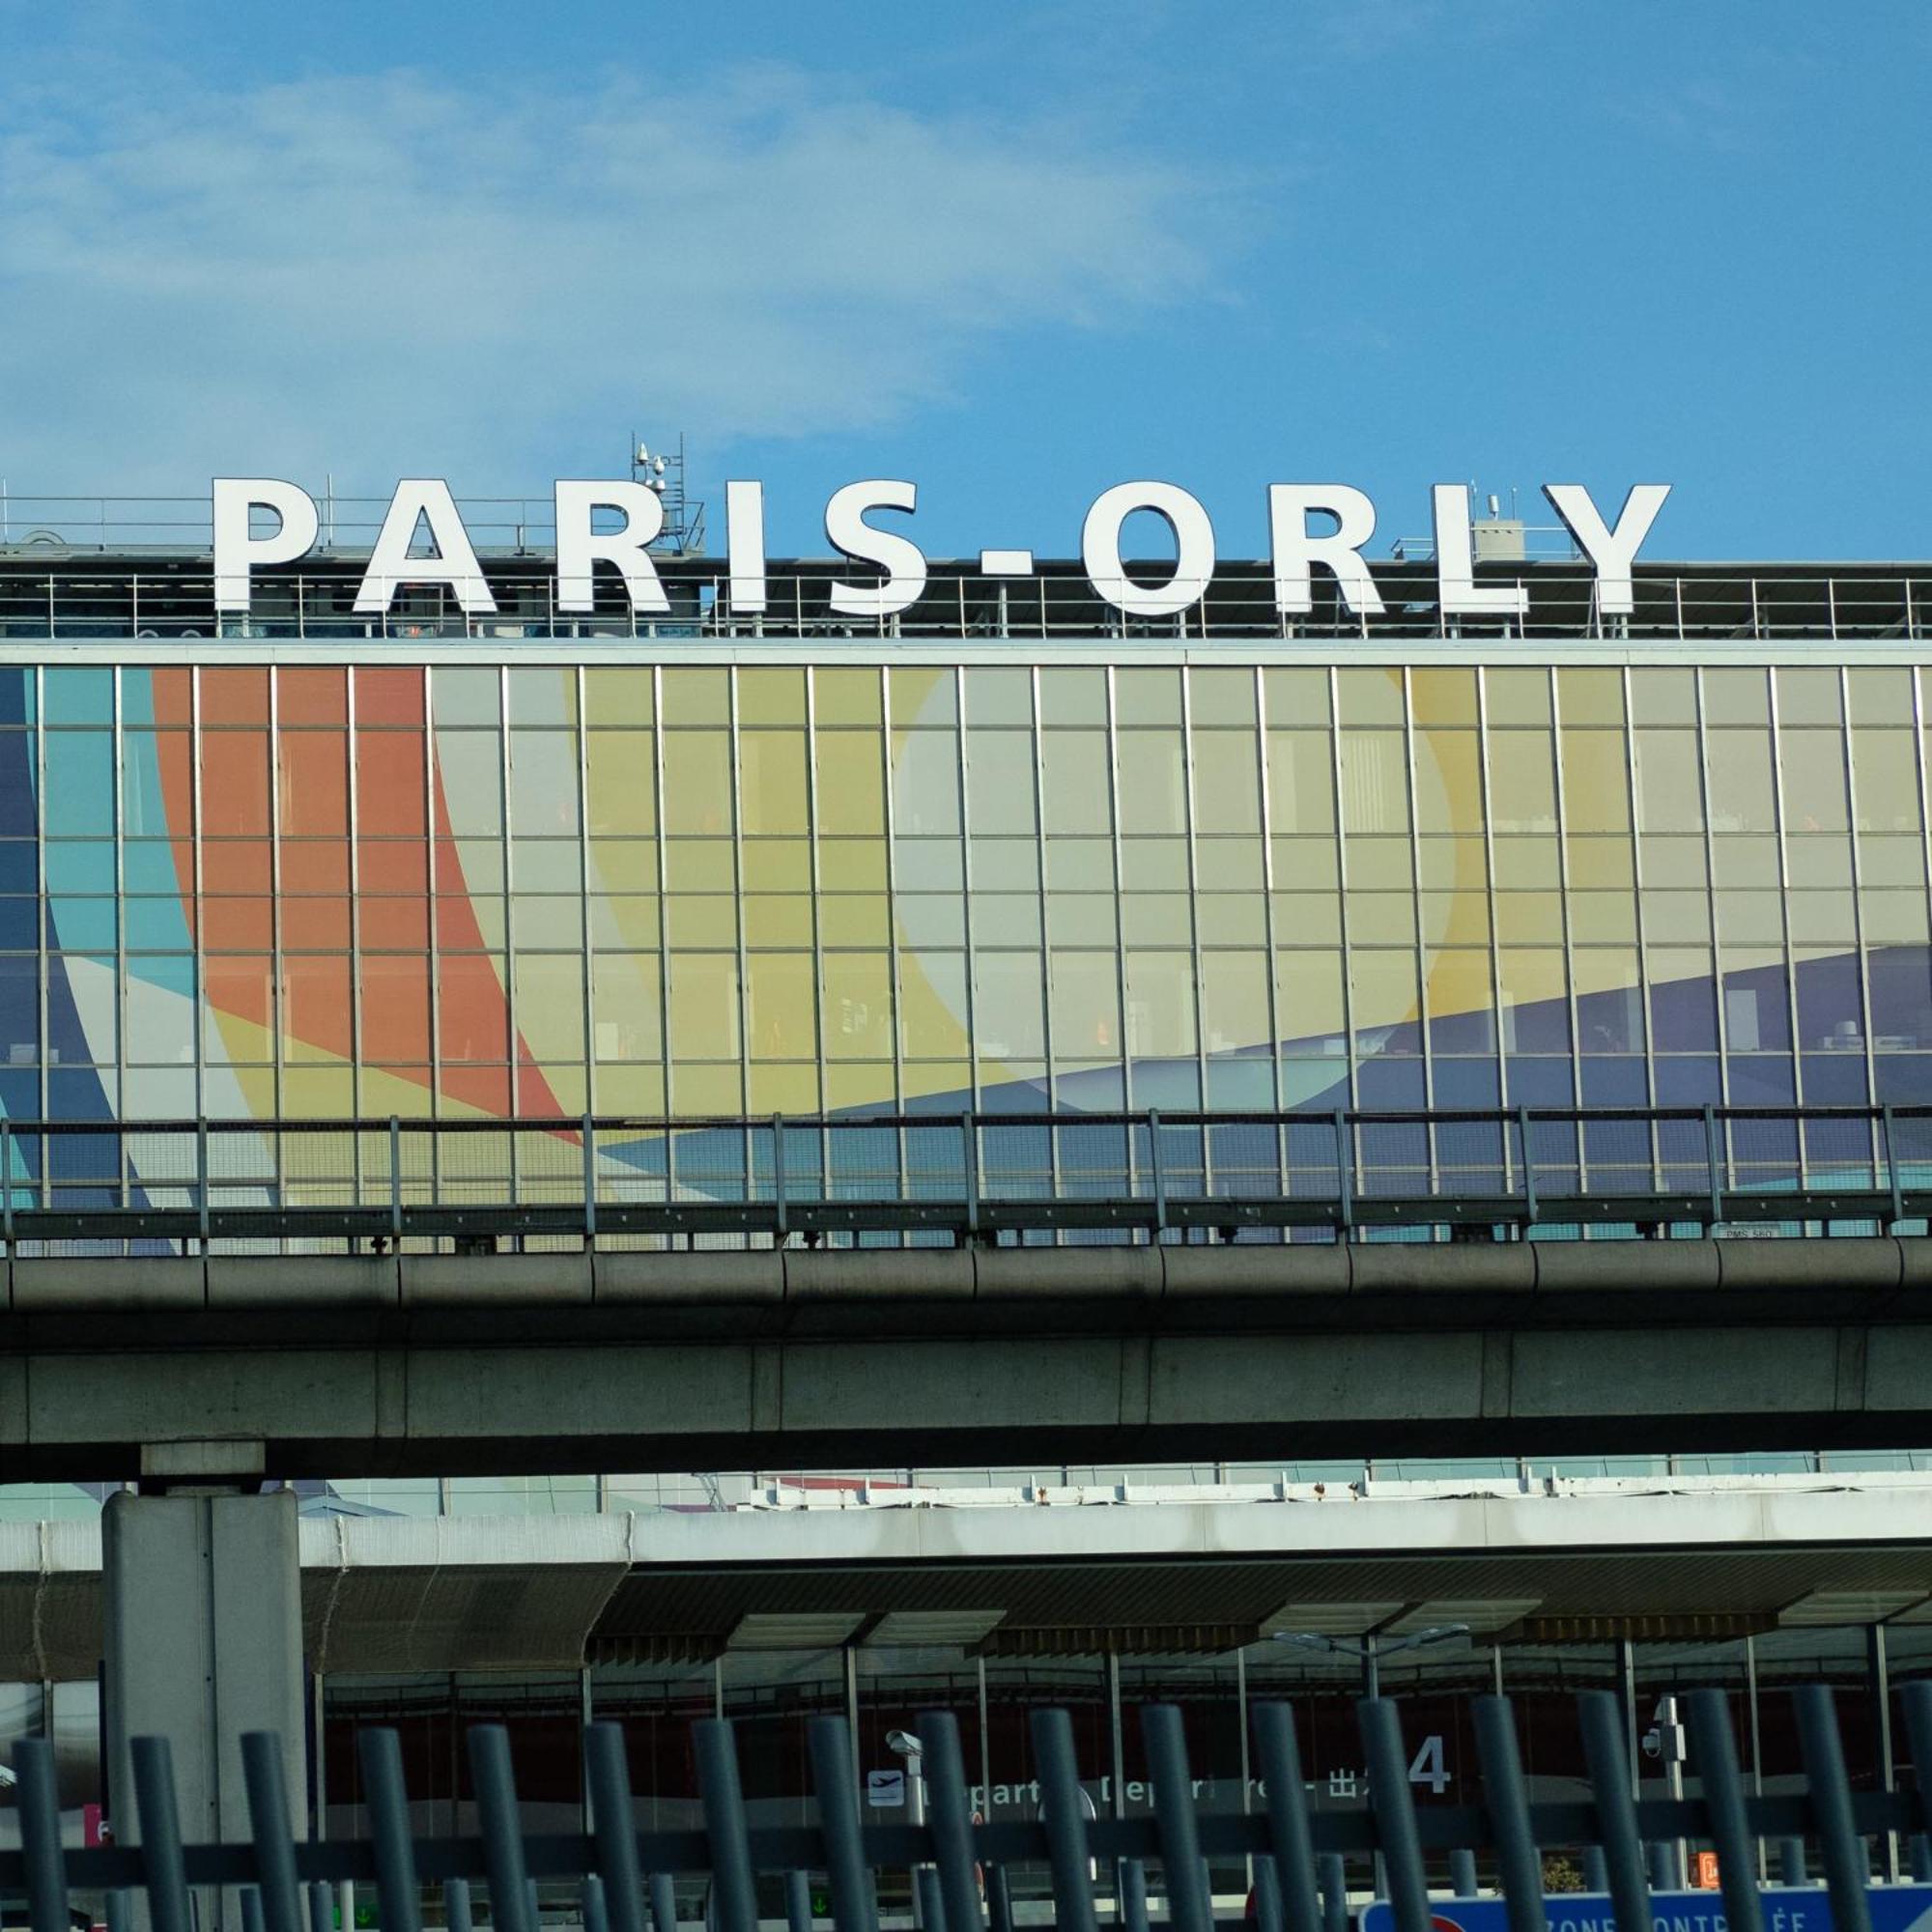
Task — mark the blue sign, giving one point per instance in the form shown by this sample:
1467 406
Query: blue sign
1894 1908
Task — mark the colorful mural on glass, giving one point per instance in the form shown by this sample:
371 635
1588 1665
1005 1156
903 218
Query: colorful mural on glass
317 890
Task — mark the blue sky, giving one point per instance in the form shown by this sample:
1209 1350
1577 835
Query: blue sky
1014 252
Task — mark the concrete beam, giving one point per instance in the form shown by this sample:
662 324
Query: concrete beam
557 1363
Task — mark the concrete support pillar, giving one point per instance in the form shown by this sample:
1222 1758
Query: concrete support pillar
203 1628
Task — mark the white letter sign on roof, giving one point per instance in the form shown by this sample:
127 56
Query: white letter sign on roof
1295 550
237 552
1289 506
423 499
900 557
1611 551
578 546
1193 547
1456 590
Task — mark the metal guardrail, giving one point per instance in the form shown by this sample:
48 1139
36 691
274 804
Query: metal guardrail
116 598
623 1874
973 1176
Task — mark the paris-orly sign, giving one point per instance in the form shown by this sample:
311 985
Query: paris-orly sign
1311 525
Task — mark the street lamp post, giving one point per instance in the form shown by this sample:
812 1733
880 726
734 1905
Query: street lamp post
904 1745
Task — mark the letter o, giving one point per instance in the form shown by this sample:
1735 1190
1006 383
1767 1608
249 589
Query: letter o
1193 540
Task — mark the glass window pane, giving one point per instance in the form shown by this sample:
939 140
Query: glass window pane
772 781
1000 782
1160 1004
1075 780
1301 781
1740 781
1375 782
705 1005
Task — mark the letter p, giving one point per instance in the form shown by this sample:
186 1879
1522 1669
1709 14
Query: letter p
238 550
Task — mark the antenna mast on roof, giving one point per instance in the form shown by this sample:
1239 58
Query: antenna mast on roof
663 471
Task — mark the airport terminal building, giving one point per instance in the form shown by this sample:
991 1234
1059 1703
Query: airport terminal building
1013 852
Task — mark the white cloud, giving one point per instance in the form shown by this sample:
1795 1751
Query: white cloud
388 272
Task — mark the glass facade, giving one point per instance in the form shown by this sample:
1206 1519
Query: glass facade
636 888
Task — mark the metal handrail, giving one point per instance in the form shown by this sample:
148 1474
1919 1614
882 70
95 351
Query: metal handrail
165 596
974 1177
961 1869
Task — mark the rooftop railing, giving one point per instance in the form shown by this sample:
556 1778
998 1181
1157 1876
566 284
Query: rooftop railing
926 1179
960 1872
123 598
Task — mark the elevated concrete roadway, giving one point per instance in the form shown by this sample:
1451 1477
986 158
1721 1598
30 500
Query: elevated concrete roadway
1057 1572
552 1363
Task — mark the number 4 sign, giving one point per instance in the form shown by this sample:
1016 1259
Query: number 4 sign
1431 1767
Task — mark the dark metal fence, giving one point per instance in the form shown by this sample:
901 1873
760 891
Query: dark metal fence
970 1177
959 1870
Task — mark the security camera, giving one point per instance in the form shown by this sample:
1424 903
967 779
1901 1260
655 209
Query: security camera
904 1745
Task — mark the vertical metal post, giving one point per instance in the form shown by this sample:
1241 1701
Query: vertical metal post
1627 1697
1116 1739
999 1900
1756 1748
1830 1796
1717 1759
732 1885
1345 1178
200 1176
613 1830
1506 1798
1916 1697
319 1761
1293 1848
500 1828
1529 1166
1717 1171
1879 1671
388 1810
1190 1907
1394 1811
396 1187
1334 1893
270 1818
1159 1171
838 1794
942 1767
39 1803
1066 1825
798 1901
589 1134
986 1739
969 1153
851 1664
168 1907
779 1176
